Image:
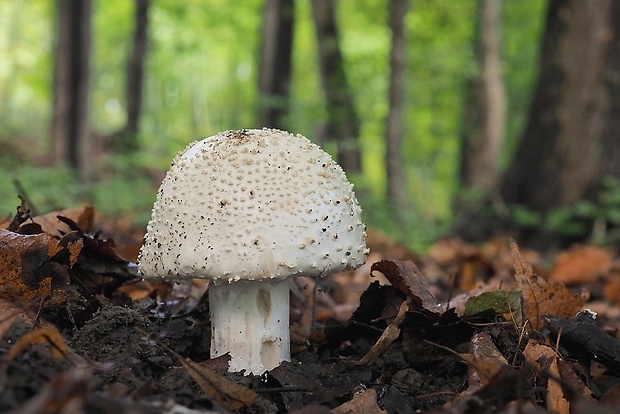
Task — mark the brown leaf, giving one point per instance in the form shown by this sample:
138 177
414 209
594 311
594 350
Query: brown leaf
229 395
363 403
484 360
63 393
405 276
10 311
543 359
611 398
389 335
581 264
84 217
31 266
543 297
49 336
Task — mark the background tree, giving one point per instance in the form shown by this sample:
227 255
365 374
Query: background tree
342 125
394 129
570 141
274 76
483 124
190 97
558 157
127 138
70 121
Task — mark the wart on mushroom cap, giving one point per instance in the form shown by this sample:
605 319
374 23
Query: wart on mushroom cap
253 205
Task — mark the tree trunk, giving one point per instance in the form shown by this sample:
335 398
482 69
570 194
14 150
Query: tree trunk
70 125
484 113
342 126
135 70
610 139
572 137
394 163
559 154
275 62
126 139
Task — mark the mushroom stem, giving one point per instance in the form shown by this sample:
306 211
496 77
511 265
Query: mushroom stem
250 320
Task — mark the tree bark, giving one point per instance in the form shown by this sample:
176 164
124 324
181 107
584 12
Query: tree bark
610 162
135 70
558 157
275 64
342 126
394 161
126 139
70 121
485 106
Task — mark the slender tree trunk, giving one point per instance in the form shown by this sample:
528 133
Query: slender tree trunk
275 62
342 121
485 107
70 126
559 154
135 69
394 162
126 139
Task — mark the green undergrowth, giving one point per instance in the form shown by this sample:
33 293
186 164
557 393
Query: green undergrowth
126 186
120 189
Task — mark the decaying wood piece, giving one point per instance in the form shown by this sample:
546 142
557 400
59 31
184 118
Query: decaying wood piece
584 334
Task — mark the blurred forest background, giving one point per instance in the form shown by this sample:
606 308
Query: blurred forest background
464 116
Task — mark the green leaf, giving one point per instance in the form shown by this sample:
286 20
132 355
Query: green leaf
500 301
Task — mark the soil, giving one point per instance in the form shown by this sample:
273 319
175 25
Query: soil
128 367
116 344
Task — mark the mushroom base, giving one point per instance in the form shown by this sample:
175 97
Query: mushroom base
250 320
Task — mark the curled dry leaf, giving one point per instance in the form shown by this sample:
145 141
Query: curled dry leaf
484 360
84 217
389 335
543 359
543 297
33 266
10 311
51 336
405 276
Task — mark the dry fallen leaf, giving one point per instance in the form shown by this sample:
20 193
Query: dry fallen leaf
10 311
389 335
51 336
543 359
228 394
33 266
405 276
543 297
64 393
363 403
581 264
84 217
484 360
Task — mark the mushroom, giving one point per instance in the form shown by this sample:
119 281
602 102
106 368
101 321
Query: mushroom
248 209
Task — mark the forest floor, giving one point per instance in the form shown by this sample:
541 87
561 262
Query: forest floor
461 329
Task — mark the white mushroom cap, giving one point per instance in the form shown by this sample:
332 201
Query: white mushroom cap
253 204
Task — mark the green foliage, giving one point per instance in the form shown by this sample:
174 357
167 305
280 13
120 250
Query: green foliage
46 188
124 188
25 66
201 78
597 218
499 301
